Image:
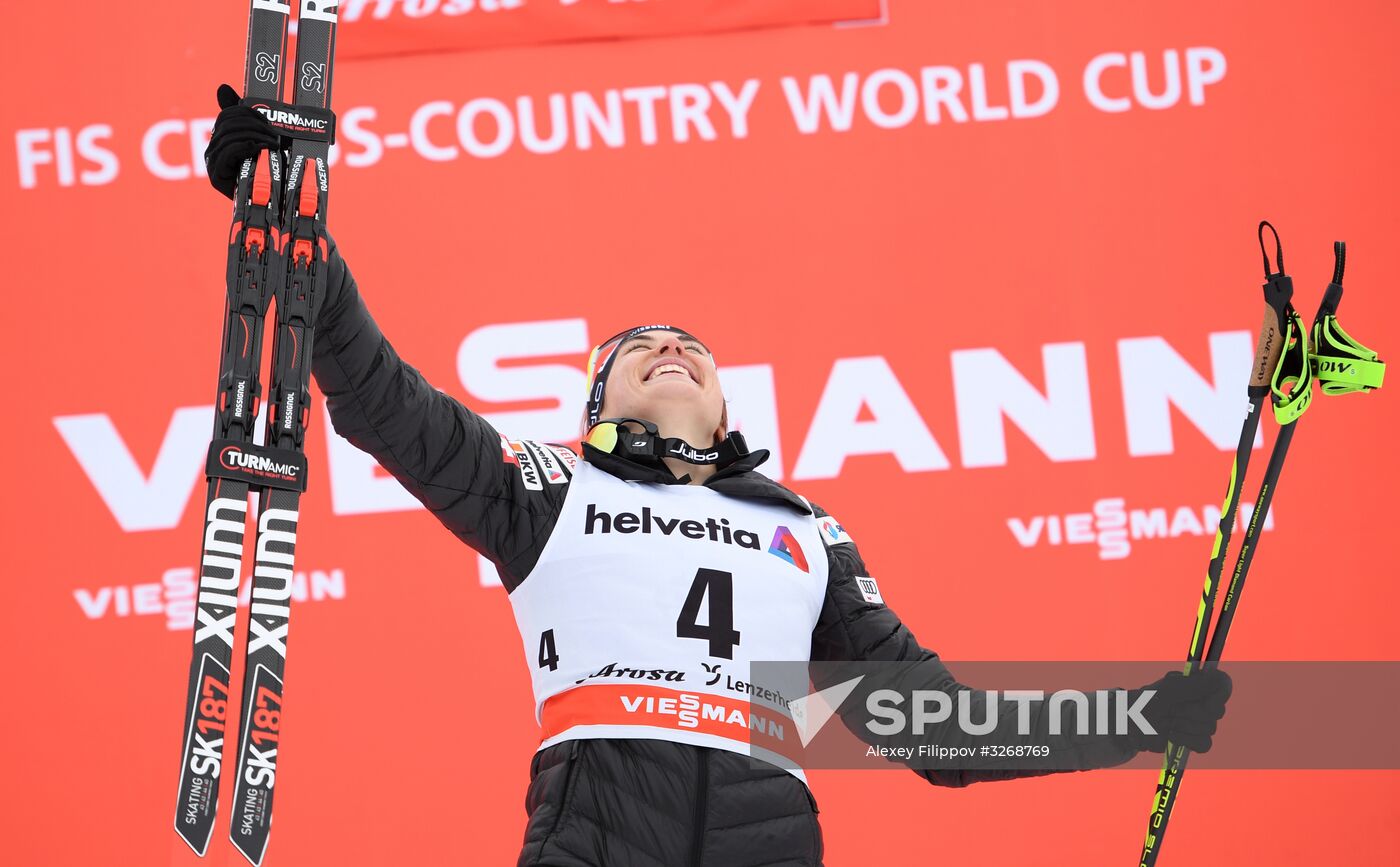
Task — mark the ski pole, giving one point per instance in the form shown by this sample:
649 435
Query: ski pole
1349 367
1174 762
1342 366
1278 310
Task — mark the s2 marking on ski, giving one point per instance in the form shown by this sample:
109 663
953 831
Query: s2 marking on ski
311 76
266 69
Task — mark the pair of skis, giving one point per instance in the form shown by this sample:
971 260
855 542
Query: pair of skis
1285 367
277 252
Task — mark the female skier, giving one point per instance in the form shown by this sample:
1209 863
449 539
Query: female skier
646 572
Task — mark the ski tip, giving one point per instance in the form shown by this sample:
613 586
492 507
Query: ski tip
254 858
199 848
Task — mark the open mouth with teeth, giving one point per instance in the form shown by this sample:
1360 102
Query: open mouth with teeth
668 370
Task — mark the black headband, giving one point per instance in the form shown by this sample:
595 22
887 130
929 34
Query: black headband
601 360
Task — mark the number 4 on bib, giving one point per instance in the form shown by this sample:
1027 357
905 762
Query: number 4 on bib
549 657
720 631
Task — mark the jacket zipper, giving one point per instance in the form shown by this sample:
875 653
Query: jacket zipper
702 790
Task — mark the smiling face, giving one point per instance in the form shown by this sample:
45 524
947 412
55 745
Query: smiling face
662 375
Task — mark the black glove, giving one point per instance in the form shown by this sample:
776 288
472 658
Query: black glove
1184 710
239 133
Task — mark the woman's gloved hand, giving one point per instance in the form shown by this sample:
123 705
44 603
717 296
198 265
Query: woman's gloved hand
239 133
1184 710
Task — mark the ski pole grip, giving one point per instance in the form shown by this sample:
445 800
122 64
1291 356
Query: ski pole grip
1269 347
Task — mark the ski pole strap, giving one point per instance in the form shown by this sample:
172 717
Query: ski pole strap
1291 385
1264 251
1341 364
1278 295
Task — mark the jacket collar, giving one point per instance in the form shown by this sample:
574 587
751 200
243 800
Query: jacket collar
739 479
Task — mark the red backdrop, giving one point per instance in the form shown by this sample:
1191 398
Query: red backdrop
969 319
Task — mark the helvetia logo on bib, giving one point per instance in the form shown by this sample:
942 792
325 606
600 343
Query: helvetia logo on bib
598 521
784 544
